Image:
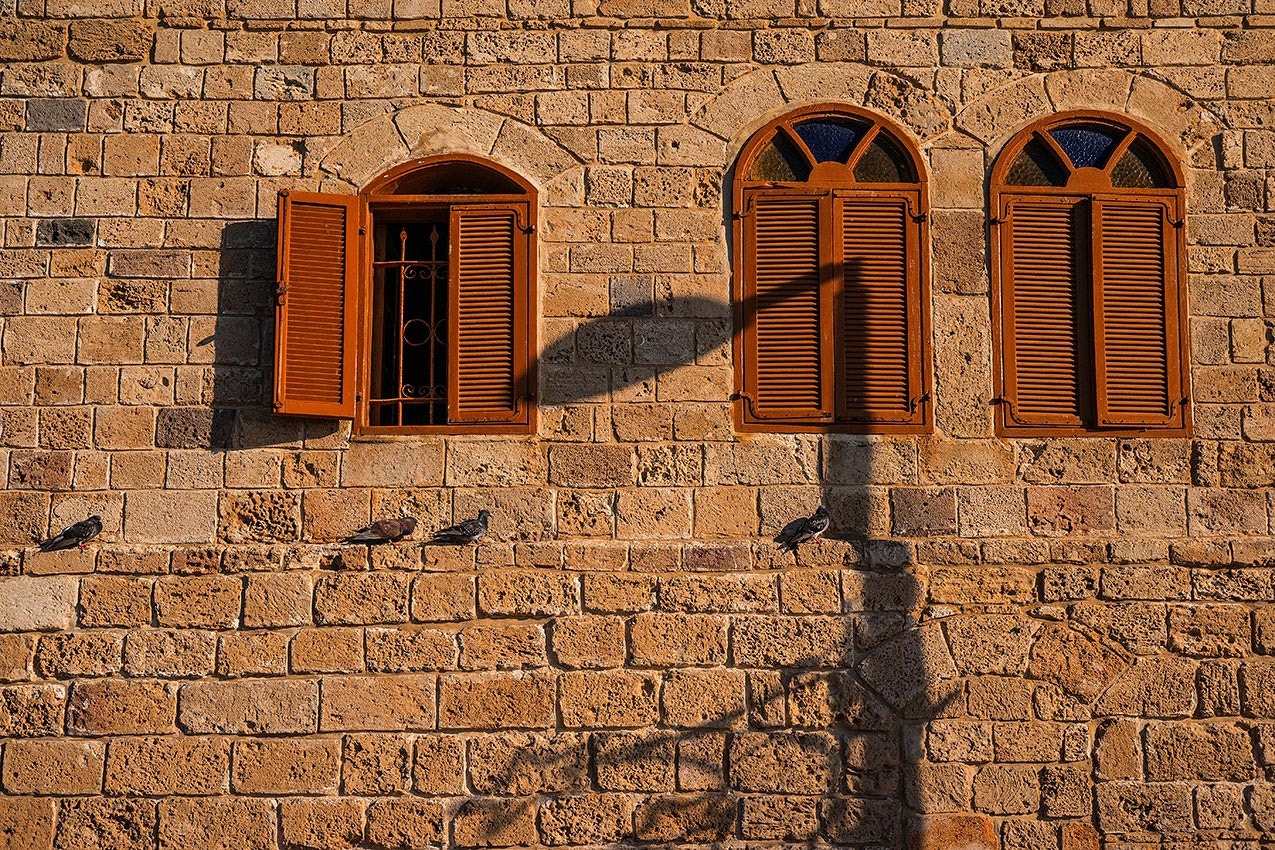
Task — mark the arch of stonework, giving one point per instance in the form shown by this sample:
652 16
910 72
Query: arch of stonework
428 129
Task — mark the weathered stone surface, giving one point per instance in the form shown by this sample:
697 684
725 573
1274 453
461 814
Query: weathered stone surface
1075 662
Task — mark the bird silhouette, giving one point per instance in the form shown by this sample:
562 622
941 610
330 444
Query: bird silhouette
803 530
461 533
74 535
384 531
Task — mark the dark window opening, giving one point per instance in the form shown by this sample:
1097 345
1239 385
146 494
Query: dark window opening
409 324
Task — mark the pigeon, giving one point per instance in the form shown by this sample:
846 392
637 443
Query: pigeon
74 535
464 532
803 530
384 531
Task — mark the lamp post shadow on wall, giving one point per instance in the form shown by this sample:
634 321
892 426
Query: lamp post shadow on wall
838 674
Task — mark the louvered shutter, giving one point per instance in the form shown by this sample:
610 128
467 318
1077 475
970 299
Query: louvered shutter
316 310
488 314
1139 381
1047 365
879 310
787 311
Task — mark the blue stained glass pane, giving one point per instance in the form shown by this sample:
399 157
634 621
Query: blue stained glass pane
829 140
1087 147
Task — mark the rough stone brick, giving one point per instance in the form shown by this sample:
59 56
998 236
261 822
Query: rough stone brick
218 823
539 593
327 650
405 823
376 765
696 698
1075 662
249 707
685 817
120 707
359 598
43 603
803 763
939 832
109 40
439 765
1138 807
443 598
56 767
1003 789
520 763
635 761
105 822
495 822
608 698
79 654
402 651
377 702
275 600
210 602
678 639
286 766
322 824
1210 630
168 765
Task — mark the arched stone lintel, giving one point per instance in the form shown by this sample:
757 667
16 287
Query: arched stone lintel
430 129
1180 120
745 105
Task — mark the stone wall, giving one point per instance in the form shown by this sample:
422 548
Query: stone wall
1044 643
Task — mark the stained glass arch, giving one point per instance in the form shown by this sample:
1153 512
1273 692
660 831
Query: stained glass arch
829 144
1087 150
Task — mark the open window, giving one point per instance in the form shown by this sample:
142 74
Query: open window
408 308
831 294
1088 278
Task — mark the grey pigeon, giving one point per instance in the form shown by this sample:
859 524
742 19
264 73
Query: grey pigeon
803 530
384 531
74 535
461 533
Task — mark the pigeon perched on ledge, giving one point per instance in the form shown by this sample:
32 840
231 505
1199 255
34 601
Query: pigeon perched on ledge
384 531
74 535
803 530
461 533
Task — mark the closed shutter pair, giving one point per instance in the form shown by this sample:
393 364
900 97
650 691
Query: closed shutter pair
831 308
1090 311
318 315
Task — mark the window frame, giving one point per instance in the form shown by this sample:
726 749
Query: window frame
378 198
1085 188
830 188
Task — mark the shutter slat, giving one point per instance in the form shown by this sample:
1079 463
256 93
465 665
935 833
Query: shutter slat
784 308
1136 337
316 315
487 358
879 366
1040 304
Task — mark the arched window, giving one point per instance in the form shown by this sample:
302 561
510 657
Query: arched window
409 306
1088 275
830 276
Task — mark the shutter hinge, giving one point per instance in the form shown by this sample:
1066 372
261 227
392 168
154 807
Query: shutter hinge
1178 223
278 405
920 217
1009 408
362 231
358 397
994 220
281 290
916 402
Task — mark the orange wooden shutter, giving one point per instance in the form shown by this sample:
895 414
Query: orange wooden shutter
880 363
1047 367
487 314
1137 350
787 311
317 307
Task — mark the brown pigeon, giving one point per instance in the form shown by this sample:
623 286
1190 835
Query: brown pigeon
384 531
